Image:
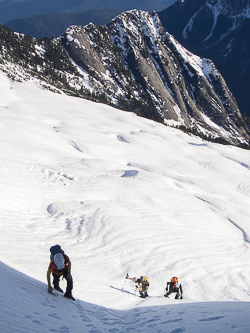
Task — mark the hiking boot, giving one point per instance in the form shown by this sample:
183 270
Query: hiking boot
141 294
58 289
69 296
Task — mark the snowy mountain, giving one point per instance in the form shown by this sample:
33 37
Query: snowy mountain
120 193
218 30
134 64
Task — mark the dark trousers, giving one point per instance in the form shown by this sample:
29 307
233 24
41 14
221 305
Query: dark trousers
173 290
69 279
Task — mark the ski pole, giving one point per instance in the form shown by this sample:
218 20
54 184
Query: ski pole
125 280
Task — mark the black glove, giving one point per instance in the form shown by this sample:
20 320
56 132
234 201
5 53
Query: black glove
181 297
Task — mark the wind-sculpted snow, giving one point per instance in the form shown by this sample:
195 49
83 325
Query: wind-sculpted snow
121 194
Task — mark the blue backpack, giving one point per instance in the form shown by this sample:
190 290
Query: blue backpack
54 250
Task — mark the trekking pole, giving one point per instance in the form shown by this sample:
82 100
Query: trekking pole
125 280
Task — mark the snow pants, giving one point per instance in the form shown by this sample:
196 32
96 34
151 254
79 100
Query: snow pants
144 291
173 290
69 279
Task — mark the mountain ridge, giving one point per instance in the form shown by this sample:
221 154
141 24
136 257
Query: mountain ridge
134 64
173 75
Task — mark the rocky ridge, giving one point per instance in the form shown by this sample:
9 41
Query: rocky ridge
134 57
132 63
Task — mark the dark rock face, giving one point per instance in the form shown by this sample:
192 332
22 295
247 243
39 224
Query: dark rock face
134 57
218 30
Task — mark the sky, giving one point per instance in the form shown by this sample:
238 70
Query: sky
121 194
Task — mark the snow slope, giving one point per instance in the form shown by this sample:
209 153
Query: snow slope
121 194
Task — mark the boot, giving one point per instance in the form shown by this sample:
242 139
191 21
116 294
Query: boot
142 295
69 296
58 289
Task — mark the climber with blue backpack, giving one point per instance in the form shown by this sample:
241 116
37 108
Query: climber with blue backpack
60 265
